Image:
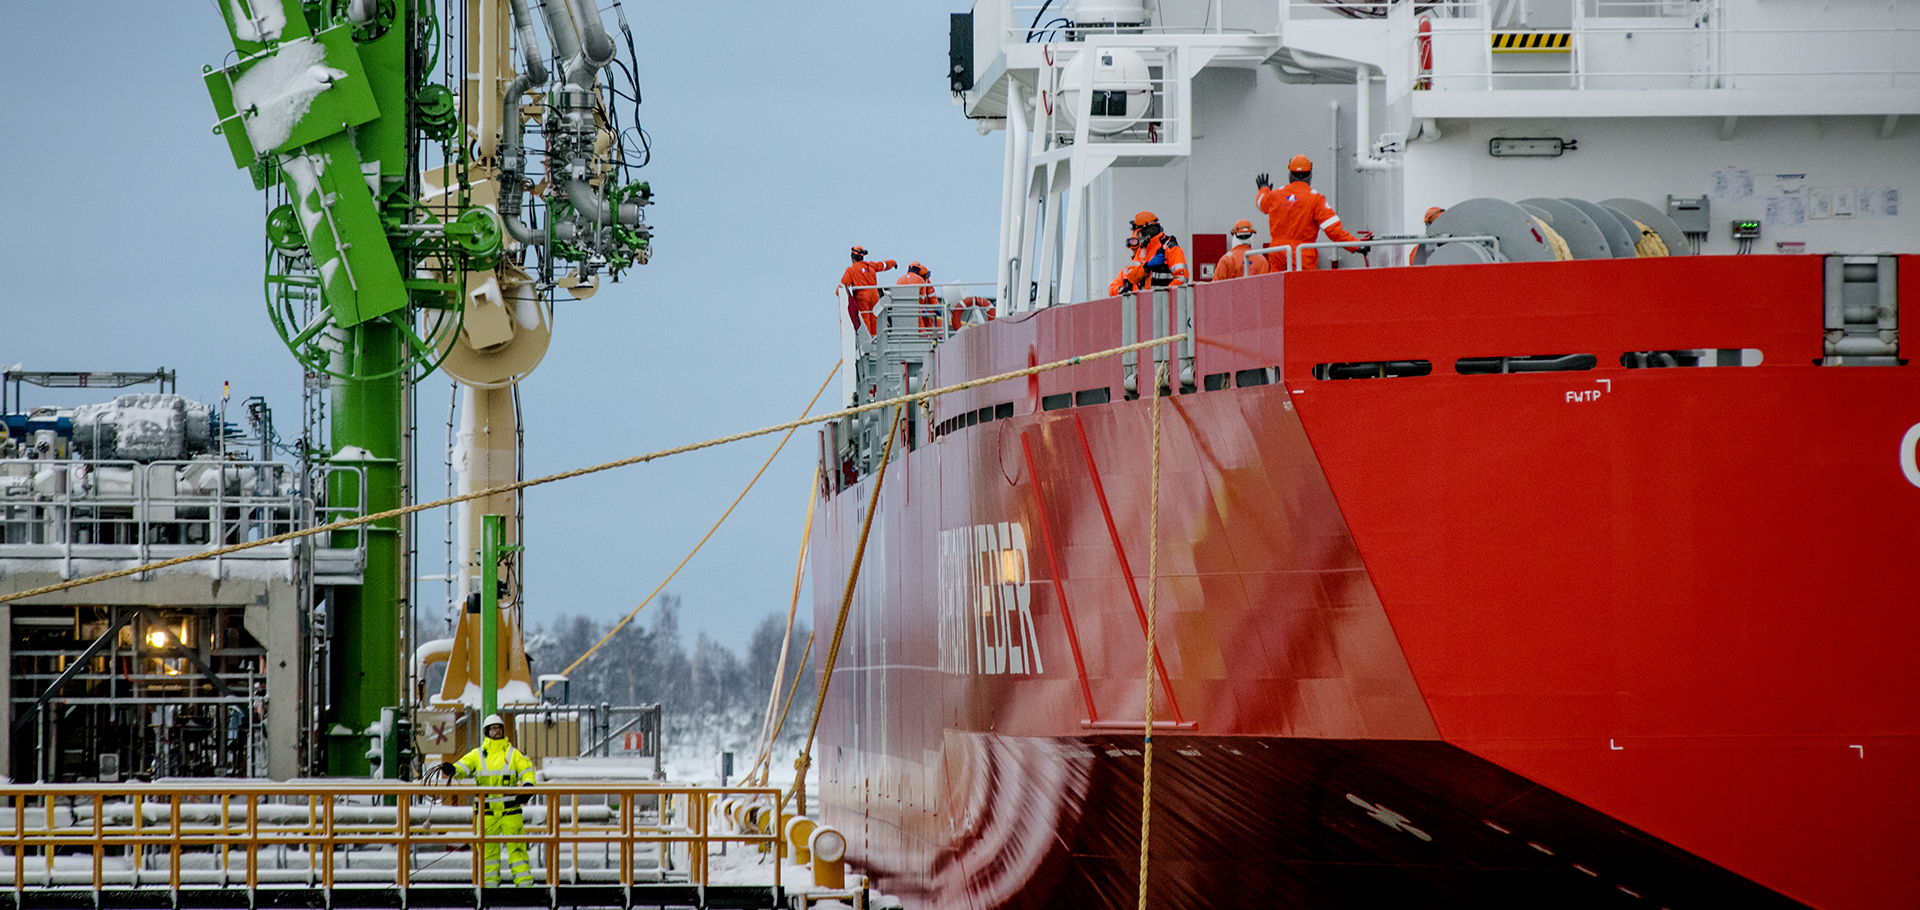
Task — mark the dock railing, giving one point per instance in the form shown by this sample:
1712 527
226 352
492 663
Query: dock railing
326 834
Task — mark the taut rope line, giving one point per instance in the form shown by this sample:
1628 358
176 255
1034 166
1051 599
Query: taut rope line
703 541
846 601
1153 591
762 763
582 472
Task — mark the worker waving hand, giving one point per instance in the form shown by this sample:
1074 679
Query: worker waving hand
863 274
496 764
1297 213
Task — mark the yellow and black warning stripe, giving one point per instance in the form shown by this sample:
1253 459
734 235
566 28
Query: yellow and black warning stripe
1532 42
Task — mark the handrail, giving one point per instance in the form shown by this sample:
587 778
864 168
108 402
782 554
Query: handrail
119 826
1292 265
73 503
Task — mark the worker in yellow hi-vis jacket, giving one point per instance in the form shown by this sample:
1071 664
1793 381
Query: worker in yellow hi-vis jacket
497 764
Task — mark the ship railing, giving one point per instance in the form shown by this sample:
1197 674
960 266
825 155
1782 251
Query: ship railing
1653 44
1043 23
109 509
555 734
1292 261
910 319
124 844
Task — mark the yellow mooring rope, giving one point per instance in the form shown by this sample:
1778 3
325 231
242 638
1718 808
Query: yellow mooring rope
762 763
710 531
1153 591
582 472
840 624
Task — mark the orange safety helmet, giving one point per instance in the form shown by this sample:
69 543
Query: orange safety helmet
1433 213
1299 164
917 267
859 251
1243 226
1143 219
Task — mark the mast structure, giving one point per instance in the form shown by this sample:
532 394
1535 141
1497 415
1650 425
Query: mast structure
409 230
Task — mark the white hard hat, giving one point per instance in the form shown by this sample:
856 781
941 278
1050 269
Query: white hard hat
491 720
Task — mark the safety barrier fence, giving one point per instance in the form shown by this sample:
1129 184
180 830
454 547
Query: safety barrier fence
354 834
1292 263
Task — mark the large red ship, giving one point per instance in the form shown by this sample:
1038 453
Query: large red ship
1584 583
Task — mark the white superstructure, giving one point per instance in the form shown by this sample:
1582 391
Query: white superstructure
1786 113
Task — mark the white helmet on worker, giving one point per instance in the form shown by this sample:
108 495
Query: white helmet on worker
493 720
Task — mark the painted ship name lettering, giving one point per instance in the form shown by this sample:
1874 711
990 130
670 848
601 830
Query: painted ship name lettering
986 616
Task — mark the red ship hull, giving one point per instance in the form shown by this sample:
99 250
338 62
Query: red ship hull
1597 637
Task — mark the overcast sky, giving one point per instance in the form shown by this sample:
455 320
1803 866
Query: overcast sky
783 133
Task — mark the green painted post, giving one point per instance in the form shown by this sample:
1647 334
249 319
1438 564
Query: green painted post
493 534
366 414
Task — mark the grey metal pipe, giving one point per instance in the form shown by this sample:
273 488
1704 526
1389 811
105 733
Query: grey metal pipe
588 203
511 126
563 231
536 70
594 40
566 34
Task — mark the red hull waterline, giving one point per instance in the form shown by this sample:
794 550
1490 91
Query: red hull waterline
1602 637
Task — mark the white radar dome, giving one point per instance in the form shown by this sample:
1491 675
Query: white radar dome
1122 89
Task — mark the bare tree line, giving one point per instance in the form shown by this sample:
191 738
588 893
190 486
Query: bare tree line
712 698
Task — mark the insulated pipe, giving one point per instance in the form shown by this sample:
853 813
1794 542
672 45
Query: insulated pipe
565 32
529 45
586 200
511 126
563 231
1362 119
594 40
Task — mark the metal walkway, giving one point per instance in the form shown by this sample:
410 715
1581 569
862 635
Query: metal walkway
325 844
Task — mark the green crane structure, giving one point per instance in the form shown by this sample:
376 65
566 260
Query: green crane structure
397 245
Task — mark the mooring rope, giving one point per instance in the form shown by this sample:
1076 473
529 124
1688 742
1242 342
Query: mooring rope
710 531
801 764
784 709
1153 598
592 469
762 763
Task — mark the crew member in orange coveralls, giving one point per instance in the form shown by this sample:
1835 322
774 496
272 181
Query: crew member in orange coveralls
918 274
863 274
1229 265
1158 260
1432 213
1296 213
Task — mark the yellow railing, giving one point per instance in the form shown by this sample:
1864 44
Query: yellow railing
326 834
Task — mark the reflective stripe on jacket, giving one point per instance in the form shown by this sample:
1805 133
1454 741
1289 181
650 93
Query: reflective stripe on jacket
496 763
1297 213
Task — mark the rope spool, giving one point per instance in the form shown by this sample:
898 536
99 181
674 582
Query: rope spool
1650 245
1555 242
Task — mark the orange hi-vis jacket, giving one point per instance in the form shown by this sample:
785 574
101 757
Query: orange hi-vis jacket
1229 265
860 303
929 319
1297 213
1158 263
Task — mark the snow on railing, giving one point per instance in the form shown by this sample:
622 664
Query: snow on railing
127 510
